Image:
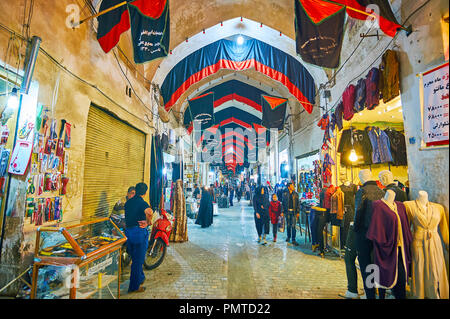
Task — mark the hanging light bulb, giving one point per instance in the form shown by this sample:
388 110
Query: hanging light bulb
240 40
13 100
353 157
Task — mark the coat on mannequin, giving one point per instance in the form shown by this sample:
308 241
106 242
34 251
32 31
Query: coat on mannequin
391 237
429 273
368 193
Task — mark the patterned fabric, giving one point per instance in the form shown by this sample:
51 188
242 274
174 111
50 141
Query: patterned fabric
360 96
381 148
179 232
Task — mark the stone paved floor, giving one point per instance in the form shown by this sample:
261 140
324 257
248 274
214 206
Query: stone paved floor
225 261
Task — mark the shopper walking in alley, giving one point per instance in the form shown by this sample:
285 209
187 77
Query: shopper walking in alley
275 212
205 211
231 195
261 207
138 216
291 210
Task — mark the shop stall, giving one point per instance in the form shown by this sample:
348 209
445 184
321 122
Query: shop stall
78 261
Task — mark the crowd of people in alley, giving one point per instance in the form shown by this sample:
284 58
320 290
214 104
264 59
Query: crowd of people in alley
275 208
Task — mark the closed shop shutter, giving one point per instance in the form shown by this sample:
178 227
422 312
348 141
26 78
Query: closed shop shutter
114 160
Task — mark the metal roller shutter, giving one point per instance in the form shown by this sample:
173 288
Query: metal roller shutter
114 160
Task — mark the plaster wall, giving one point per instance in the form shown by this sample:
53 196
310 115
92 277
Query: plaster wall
78 51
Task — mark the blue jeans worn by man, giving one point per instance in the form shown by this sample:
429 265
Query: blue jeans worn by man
137 244
291 220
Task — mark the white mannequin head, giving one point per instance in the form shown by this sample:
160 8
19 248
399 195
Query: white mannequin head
423 198
389 196
386 178
365 175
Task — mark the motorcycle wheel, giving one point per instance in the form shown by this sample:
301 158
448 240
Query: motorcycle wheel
156 258
126 259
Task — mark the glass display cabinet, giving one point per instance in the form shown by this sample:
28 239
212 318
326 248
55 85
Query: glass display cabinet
78 261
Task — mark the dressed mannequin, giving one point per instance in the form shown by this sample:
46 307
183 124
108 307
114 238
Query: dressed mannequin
366 195
387 180
429 271
391 236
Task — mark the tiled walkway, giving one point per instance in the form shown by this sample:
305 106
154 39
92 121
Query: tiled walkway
225 261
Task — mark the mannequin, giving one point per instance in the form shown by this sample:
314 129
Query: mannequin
387 179
389 197
365 175
391 236
429 271
365 196
423 198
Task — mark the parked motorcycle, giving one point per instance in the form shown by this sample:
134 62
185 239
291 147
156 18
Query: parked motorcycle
159 240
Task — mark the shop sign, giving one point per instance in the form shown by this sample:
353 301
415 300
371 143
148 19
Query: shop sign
435 84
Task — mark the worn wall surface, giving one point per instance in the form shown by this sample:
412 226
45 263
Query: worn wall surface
78 51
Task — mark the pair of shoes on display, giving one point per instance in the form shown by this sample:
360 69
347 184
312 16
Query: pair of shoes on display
259 239
295 243
275 239
314 247
288 240
321 254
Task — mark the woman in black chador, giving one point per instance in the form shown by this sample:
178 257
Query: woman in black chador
205 211
261 207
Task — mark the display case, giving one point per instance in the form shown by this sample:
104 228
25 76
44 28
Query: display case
78 261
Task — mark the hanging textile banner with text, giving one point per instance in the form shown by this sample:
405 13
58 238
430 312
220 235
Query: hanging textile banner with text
435 84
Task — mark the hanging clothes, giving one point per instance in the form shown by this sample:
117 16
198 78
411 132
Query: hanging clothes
429 273
337 206
156 173
179 232
381 147
398 147
360 96
372 89
361 144
323 122
389 79
348 100
339 113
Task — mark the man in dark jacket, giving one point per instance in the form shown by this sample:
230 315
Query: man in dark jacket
368 193
291 207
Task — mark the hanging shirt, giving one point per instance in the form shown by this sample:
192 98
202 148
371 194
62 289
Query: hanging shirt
360 96
337 204
339 113
398 147
372 89
381 148
389 79
324 121
348 99
361 144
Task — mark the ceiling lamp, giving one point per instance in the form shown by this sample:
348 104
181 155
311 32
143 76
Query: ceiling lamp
240 40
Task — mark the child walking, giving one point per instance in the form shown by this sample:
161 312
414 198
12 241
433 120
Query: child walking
275 211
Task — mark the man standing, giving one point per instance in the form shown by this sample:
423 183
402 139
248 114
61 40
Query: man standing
138 216
292 211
